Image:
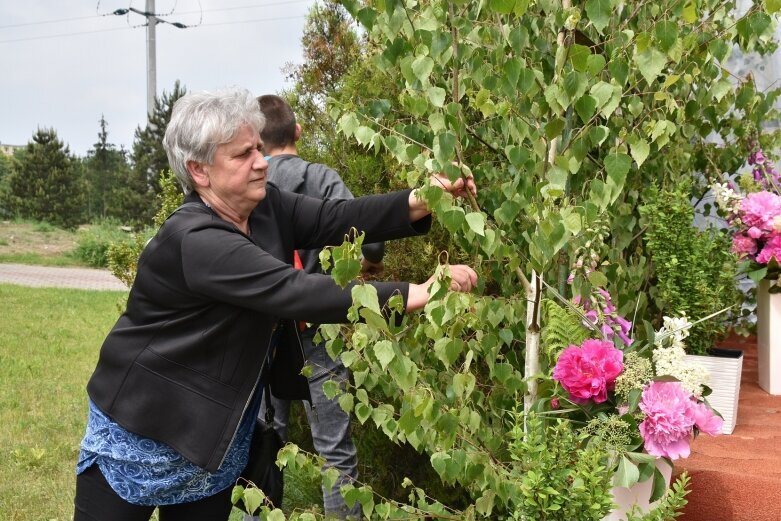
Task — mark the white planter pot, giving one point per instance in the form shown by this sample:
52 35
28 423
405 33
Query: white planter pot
725 372
638 494
769 338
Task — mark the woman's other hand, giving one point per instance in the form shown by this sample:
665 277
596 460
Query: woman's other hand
462 279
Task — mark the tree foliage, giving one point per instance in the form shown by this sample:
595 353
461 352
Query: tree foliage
107 176
148 156
46 183
566 113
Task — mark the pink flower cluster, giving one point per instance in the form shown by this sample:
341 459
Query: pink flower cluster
759 236
671 414
589 371
764 170
600 308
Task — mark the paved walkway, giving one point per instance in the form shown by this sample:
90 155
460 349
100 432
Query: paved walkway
48 276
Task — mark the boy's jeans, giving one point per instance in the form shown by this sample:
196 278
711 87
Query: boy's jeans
329 424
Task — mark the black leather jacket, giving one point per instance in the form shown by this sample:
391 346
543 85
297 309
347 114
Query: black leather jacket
181 364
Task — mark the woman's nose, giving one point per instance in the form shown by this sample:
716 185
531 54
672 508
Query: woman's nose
260 161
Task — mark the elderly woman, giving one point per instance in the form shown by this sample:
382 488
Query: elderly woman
175 393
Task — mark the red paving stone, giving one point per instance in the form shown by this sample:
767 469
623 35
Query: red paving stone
737 477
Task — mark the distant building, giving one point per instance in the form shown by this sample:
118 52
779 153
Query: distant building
9 150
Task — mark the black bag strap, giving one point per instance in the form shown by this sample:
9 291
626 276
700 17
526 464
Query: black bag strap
269 408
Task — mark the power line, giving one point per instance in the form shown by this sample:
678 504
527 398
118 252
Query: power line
128 28
65 34
51 21
252 6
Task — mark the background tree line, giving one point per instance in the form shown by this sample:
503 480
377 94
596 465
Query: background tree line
44 181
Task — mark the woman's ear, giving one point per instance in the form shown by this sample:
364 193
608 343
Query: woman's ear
199 173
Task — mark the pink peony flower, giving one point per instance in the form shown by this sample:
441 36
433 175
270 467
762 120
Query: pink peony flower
744 245
670 415
771 250
760 209
754 232
706 421
589 371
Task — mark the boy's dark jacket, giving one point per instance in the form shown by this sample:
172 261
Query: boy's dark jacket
182 362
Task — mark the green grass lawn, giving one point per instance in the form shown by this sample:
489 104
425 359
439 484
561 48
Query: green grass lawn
49 343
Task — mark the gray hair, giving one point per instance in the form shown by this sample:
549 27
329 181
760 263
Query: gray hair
201 121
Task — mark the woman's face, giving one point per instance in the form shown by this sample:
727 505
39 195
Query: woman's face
237 175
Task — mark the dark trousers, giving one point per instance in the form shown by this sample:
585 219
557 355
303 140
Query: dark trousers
97 501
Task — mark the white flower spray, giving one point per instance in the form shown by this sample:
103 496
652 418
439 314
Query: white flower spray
669 356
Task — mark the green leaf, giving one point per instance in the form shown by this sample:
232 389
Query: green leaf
452 219
773 6
330 475
650 62
237 494
464 384
640 149
512 70
476 222
348 123
502 6
507 212
598 12
595 64
253 498
619 70
404 372
485 504
363 412
598 135
660 485
585 107
346 402
690 12
597 279
345 270
331 389
574 84
275 515
383 350
634 399
365 295
444 147
364 135
554 127
758 275
627 473
579 55
666 34
617 166
422 67
448 349
437 96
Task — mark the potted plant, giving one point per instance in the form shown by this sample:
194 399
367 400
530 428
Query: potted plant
639 400
754 217
694 276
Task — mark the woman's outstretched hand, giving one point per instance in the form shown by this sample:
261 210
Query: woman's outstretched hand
460 188
462 278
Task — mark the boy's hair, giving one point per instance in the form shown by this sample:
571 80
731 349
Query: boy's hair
280 128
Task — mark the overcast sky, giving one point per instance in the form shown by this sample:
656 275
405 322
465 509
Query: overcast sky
63 63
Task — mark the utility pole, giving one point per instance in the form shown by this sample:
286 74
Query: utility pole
151 53
151 62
